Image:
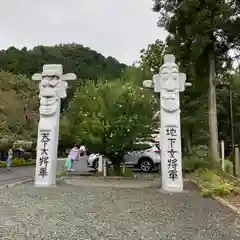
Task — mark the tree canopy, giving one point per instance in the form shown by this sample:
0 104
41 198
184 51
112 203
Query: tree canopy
202 33
152 57
84 62
19 95
18 105
110 117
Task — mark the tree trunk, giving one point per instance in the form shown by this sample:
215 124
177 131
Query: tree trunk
212 109
116 163
189 146
117 169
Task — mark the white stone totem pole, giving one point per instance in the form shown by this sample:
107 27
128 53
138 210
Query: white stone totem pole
52 88
169 82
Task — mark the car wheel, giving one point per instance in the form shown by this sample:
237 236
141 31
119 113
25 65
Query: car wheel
95 164
146 164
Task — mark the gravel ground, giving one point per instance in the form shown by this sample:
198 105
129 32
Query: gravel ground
88 212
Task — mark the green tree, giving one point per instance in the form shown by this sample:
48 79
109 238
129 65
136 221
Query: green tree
84 62
135 75
110 117
18 105
152 57
229 82
204 28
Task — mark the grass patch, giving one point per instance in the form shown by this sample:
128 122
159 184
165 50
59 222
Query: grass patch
214 183
62 173
18 163
124 173
127 173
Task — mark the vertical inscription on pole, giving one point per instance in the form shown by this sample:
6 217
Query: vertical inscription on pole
52 88
44 158
169 82
173 163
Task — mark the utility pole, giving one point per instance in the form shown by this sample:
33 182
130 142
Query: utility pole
232 128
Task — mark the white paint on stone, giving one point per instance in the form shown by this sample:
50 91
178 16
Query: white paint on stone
104 167
169 82
52 88
100 164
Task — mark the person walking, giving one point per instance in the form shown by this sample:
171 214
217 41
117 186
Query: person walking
9 159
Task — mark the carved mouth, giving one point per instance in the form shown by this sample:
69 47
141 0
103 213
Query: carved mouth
48 101
46 111
170 106
45 108
169 97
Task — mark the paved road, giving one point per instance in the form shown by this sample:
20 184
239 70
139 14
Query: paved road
16 174
95 212
24 173
81 165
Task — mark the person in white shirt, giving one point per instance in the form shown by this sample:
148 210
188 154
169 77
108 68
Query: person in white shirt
82 150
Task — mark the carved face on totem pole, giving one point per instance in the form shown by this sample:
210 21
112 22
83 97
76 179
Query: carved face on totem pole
172 82
51 89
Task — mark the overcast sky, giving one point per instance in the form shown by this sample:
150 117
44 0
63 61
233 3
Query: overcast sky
118 28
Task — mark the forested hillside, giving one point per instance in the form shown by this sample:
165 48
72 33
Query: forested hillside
83 61
19 95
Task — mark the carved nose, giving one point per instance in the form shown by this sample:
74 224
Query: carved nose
48 92
45 82
171 84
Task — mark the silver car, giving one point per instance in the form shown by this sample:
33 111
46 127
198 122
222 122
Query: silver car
146 160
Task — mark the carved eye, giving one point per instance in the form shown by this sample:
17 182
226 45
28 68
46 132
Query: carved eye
164 74
175 76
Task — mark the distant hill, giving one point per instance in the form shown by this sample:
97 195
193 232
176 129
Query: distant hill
86 63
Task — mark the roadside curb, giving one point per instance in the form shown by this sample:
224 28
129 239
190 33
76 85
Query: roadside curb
16 183
227 204
222 201
111 178
20 166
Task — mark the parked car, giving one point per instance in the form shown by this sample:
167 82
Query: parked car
146 160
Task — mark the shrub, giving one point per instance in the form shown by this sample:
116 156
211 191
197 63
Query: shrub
127 173
197 160
220 189
112 172
208 175
62 173
228 167
6 143
213 184
231 157
18 162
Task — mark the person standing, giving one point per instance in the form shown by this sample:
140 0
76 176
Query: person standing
82 150
9 159
74 155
